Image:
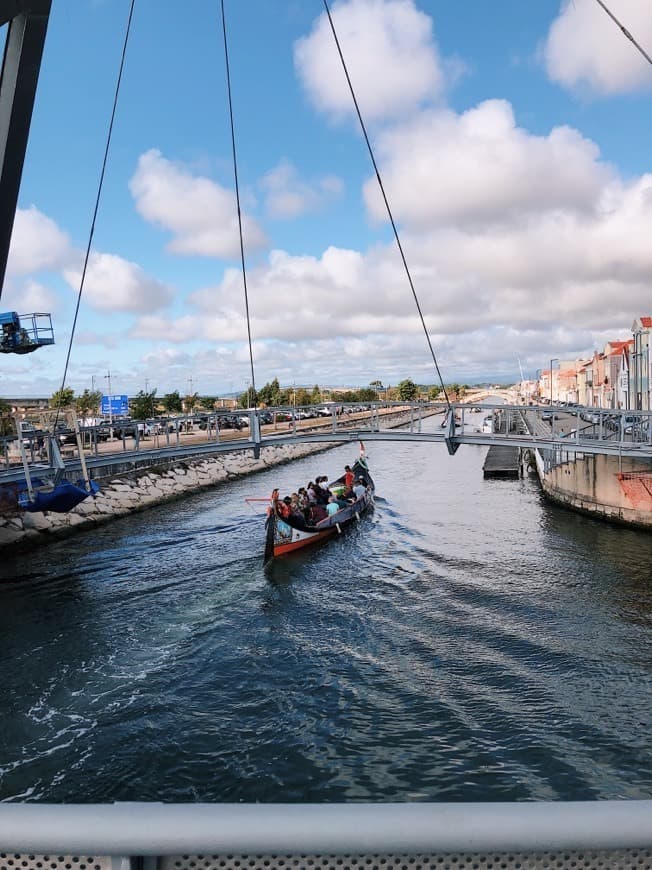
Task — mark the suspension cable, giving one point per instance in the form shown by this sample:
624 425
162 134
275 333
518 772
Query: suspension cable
382 190
625 31
95 210
237 197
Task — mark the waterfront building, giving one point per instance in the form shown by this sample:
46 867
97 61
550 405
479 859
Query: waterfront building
639 380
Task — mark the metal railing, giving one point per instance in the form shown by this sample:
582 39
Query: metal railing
571 431
480 835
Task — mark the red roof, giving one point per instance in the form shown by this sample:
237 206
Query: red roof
618 346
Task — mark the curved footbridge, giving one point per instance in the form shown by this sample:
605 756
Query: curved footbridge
555 435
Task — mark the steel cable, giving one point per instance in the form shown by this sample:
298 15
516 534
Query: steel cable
384 195
237 196
96 208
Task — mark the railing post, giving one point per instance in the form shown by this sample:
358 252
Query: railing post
254 431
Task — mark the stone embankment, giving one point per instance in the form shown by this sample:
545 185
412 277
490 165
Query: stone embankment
142 488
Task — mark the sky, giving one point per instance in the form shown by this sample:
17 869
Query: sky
513 143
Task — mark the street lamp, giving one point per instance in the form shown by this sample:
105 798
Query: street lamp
554 359
107 377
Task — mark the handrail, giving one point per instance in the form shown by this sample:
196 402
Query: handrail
330 829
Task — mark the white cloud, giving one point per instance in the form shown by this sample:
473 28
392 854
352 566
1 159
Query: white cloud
163 359
201 215
37 243
29 296
288 196
585 48
390 53
115 284
479 167
178 330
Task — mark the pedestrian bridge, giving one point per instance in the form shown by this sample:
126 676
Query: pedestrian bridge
560 431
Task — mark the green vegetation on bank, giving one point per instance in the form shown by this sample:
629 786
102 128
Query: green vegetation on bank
146 404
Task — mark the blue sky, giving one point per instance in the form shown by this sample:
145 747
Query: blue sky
512 139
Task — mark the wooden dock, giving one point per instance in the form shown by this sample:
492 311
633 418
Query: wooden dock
502 460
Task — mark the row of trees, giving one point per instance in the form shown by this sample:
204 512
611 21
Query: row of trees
271 395
148 404
143 405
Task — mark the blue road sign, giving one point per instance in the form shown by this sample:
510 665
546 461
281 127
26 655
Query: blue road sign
118 406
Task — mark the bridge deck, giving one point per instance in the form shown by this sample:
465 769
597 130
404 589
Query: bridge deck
566 434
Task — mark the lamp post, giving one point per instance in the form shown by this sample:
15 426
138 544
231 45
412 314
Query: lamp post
554 359
107 377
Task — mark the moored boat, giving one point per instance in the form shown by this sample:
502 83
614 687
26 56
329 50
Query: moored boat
286 533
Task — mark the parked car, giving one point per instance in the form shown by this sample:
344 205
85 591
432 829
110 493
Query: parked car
229 421
28 432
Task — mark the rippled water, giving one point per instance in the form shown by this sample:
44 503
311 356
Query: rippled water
468 641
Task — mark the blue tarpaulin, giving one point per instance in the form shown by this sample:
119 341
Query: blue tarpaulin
62 498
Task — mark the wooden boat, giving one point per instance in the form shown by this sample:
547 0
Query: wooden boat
287 534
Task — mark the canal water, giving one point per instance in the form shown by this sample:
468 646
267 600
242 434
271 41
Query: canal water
466 641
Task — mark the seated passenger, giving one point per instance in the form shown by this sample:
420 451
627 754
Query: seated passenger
317 514
332 507
321 491
359 489
297 519
284 507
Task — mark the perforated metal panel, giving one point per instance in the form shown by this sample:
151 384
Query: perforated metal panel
625 859
10 861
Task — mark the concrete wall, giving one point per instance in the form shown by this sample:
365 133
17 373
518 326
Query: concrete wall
615 489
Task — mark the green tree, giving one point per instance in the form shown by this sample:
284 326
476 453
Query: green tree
189 402
315 396
62 398
88 403
208 402
172 402
302 397
270 394
433 392
144 405
367 394
407 390
6 420
248 399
